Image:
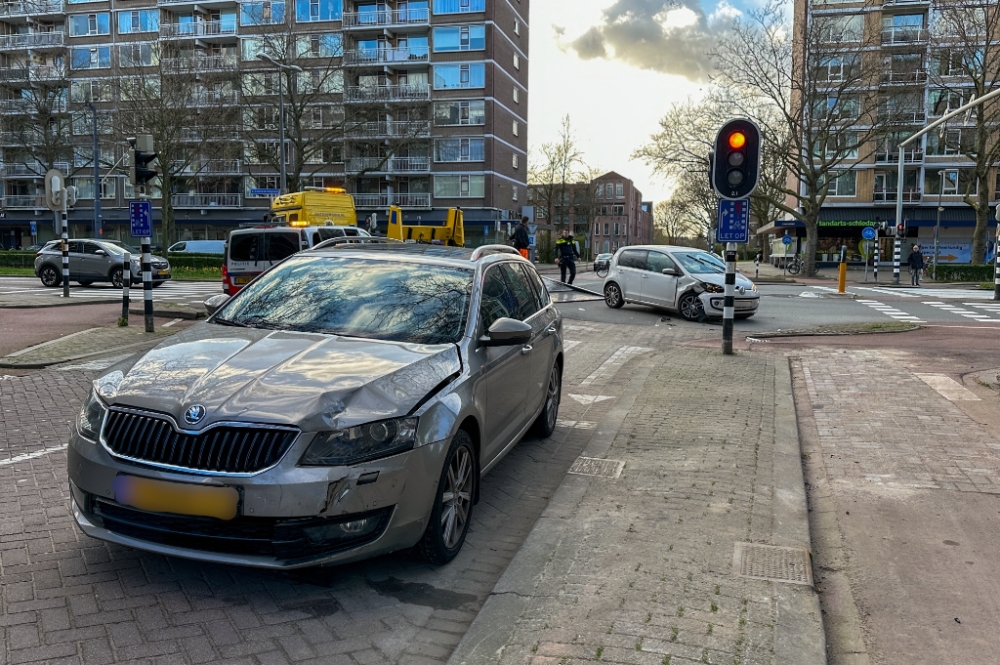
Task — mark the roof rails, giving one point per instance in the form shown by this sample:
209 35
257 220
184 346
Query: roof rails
355 240
486 250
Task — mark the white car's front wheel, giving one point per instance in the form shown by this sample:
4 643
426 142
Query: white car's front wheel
690 306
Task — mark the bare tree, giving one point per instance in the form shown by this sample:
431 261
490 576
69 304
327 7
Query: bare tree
965 64
553 174
816 109
187 101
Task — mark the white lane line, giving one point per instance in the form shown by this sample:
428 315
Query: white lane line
51 341
610 366
569 344
949 388
28 456
171 323
891 312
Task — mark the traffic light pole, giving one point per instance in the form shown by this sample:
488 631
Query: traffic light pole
147 277
897 250
996 260
65 246
728 301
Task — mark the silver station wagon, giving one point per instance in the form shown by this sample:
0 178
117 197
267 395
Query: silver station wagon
344 404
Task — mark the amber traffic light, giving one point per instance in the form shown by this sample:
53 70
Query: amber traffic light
736 160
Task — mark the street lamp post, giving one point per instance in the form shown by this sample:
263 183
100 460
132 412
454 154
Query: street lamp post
97 175
281 111
937 225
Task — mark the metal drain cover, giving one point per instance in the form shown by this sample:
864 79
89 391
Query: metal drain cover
775 564
603 468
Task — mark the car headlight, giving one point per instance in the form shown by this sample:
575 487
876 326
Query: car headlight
91 417
753 287
712 288
361 443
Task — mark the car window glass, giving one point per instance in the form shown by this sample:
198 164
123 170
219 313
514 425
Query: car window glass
246 247
541 293
282 245
90 247
497 301
657 262
633 259
527 303
76 247
179 247
327 233
700 262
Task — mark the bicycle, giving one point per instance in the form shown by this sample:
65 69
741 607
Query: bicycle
602 268
794 266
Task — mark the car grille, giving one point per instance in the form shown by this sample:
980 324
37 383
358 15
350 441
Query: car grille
225 449
281 538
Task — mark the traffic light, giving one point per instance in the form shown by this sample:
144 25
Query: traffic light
736 159
901 230
139 160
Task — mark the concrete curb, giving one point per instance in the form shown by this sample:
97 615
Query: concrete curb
492 628
798 630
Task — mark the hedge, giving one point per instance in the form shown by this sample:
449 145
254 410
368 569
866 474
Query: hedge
964 273
21 259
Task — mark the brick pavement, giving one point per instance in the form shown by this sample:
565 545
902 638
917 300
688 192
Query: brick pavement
89 343
67 598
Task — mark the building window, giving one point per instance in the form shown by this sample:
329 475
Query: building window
607 228
842 183
451 77
517 27
458 150
617 228
460 38
307 11
459 186
600 190
619 191
459 113
517 95
146 20
91 90
957 182
88 25
262 13
514 128
458 6
91 58
513 161
517 61
513 193
136 55
618 210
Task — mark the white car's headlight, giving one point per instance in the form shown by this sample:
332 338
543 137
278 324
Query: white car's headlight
361 443
91 417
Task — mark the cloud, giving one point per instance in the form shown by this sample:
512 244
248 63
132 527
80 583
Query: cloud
669 36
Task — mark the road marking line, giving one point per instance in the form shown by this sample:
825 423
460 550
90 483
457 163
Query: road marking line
569 344
610 366
949 388
27 456
590 399
171 323
51 341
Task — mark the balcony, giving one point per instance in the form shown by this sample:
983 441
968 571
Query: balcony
209 166
32 40
386 56
903 36
386 200
902 116
25 201
910 156
14 74
904 3
16 105
910 195
388 93
207 200
393 129
391 165
221 133
30 169
388 19
197 29
908 77
207 63
26 9
214 98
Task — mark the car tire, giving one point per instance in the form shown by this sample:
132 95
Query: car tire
452 512
545 424
50 277
743 316
156 284
85 282
690 307
116 278
613 296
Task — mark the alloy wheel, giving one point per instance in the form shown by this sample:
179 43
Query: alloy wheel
456 498
552 398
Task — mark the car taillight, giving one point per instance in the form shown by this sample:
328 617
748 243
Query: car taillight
226 286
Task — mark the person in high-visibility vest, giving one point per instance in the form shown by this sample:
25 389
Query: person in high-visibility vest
567 254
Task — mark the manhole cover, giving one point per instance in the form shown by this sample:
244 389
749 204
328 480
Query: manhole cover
590 466
775 564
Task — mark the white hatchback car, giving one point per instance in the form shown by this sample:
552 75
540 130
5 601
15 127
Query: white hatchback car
687 280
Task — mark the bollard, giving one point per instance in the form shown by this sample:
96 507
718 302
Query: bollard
147 286
126 285
842 278
728 301
65 251
897 251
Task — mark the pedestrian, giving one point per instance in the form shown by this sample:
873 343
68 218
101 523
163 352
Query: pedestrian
916 263
520 241
567 254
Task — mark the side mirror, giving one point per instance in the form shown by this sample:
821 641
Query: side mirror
670 271
215 302
100 252
507 332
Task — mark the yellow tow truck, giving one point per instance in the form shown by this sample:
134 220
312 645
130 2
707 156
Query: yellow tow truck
451 233
314 206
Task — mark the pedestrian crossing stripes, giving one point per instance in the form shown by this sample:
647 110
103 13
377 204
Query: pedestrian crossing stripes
978 311
938 294
188 292
891 311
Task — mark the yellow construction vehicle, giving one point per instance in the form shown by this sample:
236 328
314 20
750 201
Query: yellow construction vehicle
314 206
451 233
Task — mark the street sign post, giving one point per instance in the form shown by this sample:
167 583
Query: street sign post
140 217
734 221
786 240
869 233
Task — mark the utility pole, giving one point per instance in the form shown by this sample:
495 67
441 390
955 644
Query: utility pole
97 175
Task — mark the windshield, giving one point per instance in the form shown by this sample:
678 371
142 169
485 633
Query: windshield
119 248
699 262
371 299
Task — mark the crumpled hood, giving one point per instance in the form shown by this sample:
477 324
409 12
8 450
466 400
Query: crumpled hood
316 382
720 279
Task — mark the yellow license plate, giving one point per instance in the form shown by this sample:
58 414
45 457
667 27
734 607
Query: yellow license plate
241 280
160 496
164 272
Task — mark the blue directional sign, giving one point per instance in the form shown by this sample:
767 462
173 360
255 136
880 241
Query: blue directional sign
264 192
140 217
734 221
868 233
786 240
34 228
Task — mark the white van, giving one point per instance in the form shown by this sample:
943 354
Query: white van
199 247
251 251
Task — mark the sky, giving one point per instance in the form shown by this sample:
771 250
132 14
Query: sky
615 67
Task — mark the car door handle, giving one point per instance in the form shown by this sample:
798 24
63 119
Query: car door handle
551 330
526 349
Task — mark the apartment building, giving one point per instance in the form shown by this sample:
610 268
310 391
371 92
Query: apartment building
928 56
417 103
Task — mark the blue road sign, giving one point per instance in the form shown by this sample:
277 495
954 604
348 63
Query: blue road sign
34 228
264 192
786 240
140 217
868 233
734 221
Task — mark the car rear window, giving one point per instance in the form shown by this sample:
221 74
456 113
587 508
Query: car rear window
246 247
282 245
